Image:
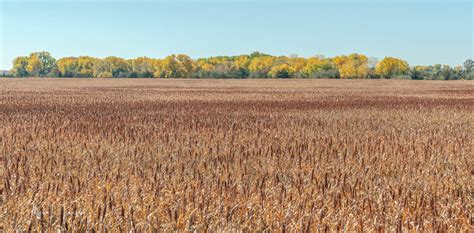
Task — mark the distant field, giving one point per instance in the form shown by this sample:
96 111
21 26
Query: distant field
275 155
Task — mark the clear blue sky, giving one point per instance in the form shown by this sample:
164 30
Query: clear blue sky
420 31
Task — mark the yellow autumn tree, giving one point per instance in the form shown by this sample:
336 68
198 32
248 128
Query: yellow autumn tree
242 62
41 64
318 67
187 63
176 66
280 71
205 66
68 66
86 66
157 67
109 67
20 65
297 65
391 66
260 66
352 66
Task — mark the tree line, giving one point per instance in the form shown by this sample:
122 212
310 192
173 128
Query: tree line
255 65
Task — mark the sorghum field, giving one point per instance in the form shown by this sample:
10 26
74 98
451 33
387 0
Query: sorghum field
236 155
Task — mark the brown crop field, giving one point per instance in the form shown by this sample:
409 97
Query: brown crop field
236 155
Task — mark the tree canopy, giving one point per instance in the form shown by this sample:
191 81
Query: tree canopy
390 67
254 65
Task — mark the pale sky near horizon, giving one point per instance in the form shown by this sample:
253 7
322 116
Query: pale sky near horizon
420 31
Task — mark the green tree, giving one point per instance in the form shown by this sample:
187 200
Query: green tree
320 68
112 67
469 65
257 54
142 67
417 73
41 64
447 72
228 69
468 72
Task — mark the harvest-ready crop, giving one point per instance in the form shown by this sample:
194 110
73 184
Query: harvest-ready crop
229 155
